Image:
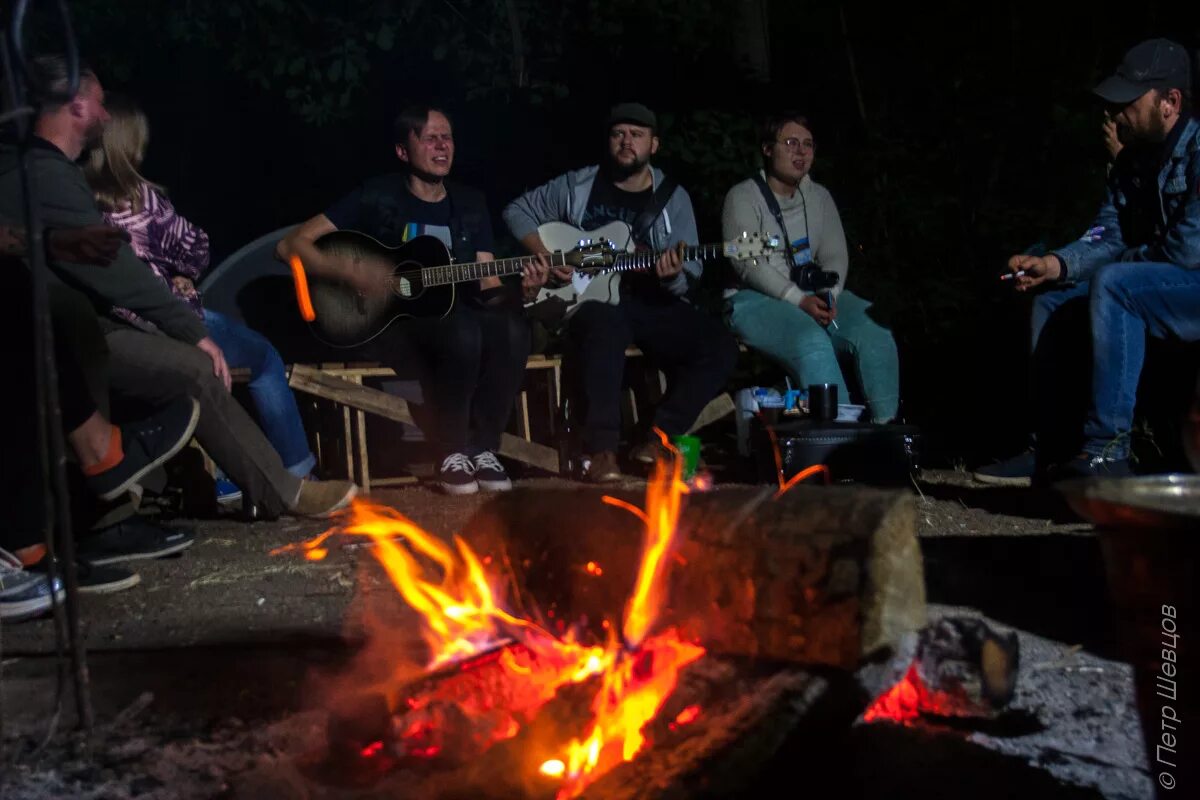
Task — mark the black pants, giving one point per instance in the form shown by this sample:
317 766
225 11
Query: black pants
697 353
470 364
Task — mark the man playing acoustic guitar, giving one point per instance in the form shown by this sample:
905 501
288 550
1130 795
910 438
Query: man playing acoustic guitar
472 359
649 310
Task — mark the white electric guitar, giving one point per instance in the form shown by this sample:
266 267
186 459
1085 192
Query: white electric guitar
601 284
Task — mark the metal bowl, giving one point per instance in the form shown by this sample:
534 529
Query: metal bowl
1153 501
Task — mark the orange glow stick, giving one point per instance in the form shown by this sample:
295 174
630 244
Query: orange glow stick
301 281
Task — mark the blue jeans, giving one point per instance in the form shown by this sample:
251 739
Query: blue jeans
1125 303
269 391
809 352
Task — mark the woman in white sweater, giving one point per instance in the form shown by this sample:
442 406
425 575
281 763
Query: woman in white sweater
773 308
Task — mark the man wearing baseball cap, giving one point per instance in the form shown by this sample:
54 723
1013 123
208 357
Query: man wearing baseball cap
1135 271
649 309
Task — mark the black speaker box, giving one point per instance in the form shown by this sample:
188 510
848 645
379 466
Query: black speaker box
854 452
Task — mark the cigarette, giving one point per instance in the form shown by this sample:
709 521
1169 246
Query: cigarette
1012 275
829 302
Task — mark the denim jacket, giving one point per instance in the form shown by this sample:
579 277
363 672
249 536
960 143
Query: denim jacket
1136 224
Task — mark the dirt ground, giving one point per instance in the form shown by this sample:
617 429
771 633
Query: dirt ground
199 670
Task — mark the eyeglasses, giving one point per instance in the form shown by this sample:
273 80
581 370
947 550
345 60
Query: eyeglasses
795 145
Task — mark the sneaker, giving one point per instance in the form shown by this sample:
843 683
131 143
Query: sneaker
130 540
228 492
97 579
489 473
322 498
24 593
650 451
1086 465
601 468
1016 471
457 474
148 443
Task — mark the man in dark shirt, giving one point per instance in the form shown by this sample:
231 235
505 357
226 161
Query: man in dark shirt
473 358
649 309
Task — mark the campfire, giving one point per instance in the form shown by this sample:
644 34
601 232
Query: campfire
583 643
490 672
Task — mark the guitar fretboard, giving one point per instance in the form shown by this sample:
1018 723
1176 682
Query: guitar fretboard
459 273
622 262
629 262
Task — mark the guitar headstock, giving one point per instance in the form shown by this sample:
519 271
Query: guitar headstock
589 255
751 245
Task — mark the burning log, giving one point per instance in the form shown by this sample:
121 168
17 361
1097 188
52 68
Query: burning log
817 575
961 668
723 722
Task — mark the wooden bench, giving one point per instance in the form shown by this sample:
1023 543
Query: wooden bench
342 384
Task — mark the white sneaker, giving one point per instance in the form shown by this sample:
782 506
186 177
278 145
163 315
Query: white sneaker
490 474
457 475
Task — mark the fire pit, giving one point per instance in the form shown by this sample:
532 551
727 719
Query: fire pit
647 649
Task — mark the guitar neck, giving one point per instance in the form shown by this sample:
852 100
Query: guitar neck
461 273
631 262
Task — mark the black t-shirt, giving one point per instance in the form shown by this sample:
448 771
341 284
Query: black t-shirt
385 209
607 203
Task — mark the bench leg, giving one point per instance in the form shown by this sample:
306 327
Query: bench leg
364 466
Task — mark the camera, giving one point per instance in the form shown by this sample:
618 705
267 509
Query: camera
812 278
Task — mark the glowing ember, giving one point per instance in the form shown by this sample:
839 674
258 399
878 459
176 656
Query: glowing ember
911 697
507 668
687 716
901 703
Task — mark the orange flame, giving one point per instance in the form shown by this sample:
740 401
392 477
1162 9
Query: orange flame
461 617
664 495
645 670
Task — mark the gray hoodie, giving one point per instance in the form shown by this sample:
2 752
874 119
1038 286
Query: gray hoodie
66 201
564 199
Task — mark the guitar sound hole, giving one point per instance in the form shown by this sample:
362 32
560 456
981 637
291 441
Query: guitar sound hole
404 287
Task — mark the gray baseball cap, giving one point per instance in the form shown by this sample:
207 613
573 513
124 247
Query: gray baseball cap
1153 64
636 113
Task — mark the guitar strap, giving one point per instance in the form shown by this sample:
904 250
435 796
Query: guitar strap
463 249
658 201
777 212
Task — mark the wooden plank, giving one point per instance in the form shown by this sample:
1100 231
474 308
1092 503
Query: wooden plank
523 416
374 401
532 453
720 406
403 480
347 393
